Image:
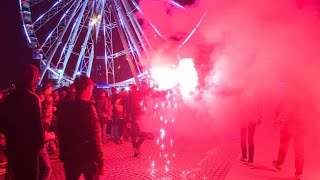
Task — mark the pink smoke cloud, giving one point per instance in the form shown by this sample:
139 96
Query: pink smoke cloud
242 46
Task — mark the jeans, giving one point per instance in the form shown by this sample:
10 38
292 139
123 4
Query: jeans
298 138
121 125
73 171
44 165
243 134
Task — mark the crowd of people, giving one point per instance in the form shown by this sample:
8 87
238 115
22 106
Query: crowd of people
75 122
72 122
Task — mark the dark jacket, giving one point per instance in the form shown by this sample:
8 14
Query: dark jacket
22 121
103 109
134 109
79 133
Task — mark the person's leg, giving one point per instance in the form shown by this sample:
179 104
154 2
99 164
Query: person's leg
103 133
285 138
44 164
72 171
134 134
115 130
120 130
142 135
243 138
91 172
299 152
25 165
251 131
109 127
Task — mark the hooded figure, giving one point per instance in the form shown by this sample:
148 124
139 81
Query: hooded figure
22 125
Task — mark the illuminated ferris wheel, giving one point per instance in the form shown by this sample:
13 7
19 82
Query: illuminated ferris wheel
99 38
102 39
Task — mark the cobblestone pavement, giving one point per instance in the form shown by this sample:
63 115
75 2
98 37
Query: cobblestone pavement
190 160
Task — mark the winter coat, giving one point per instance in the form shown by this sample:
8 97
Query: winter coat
120 107
103 107
79 133
22 123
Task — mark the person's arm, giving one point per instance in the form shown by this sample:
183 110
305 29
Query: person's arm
36 118
95 136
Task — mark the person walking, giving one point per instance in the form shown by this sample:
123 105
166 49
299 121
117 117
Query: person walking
293 109
134 113
251 117
290 117
79 134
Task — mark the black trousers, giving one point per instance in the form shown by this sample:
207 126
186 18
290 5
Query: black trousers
23 165
136 133
248 140
74 170
286 136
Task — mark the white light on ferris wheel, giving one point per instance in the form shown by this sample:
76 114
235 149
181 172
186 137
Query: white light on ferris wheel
95 20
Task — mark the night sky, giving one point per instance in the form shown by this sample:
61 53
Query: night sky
14 50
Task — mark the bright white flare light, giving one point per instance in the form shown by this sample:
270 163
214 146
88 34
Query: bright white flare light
165 77
95 20
188 76
184 76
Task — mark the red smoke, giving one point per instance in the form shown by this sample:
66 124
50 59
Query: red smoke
242 47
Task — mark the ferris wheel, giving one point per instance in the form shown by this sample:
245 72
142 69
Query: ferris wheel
92 37
102 39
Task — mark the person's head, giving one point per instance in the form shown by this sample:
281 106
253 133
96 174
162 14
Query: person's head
122 94
133 87
47 89
28 78
102 93
84 87
113 90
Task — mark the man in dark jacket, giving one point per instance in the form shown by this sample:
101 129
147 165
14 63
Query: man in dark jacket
22 126
134 113
79 134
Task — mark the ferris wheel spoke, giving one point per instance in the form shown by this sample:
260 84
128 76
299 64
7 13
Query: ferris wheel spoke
126 25
55 9
63 52
135 24
58 41
73 38
95 21
35 2
53 36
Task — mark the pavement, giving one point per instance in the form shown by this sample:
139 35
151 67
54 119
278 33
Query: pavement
215 158
266 148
